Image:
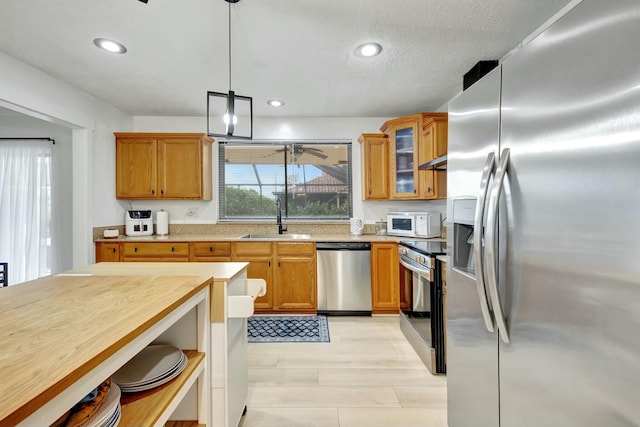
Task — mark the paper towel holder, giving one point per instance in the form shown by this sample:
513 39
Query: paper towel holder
162 223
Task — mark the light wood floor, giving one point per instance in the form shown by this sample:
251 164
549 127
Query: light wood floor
367 376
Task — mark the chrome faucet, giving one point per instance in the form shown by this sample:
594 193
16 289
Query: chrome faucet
281 229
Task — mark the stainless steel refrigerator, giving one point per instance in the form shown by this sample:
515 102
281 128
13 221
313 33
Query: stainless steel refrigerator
543 292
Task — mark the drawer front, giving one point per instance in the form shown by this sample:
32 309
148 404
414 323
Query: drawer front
295 249
252 249
156 249
107 252
155 259
211 249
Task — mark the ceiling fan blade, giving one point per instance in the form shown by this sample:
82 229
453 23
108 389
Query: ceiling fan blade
317 153
275 152
314 152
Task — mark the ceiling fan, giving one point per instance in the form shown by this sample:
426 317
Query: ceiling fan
297 150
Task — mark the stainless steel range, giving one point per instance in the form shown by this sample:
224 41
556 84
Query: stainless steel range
421 317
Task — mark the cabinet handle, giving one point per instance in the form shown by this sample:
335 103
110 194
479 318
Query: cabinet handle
278 263
429 190
210 248
114 250
153 191
269 263
172 249
414 191
161 191
135 249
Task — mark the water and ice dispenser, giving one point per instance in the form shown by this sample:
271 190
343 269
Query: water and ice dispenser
464 211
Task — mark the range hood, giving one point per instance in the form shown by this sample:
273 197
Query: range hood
439 163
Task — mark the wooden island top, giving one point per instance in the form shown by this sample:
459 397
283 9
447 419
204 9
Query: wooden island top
57 329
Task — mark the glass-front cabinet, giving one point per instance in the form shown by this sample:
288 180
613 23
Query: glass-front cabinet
403 156
413 141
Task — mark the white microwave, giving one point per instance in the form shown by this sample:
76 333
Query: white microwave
414 224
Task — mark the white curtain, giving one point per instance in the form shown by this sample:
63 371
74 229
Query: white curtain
25 208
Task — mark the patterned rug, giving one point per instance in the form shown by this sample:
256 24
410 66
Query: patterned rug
288 329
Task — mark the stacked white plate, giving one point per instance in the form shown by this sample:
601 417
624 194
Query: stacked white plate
152 367
109 413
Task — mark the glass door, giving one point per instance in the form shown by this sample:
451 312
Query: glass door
404 183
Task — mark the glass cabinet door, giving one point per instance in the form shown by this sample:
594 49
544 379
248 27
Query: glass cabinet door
404 149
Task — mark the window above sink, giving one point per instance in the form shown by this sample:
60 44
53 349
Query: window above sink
312 180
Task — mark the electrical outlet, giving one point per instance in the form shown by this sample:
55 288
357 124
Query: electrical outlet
192 212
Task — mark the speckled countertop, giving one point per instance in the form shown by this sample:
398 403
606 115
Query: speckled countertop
236 237
233 231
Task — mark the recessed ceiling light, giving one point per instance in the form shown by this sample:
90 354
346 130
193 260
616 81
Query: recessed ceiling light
110 45
275 102
369 49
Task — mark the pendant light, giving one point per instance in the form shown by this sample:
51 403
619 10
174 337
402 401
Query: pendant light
229 116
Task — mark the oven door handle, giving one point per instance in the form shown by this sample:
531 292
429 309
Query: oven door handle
481 286
413 268
492 222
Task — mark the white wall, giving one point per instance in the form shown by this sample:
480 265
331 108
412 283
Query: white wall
348 128
27 90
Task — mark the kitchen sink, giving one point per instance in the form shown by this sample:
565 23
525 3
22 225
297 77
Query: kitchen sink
276 236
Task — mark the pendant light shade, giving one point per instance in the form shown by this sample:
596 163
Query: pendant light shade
229 116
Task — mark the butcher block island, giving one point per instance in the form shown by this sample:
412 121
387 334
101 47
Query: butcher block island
63 335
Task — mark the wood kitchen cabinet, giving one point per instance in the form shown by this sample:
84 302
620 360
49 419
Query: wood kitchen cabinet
412 142
173 166
107 252
289 268
155 252
385 288
295 285
375 166
210 251
259 255
433 182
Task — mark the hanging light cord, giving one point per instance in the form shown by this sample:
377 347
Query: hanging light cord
229 46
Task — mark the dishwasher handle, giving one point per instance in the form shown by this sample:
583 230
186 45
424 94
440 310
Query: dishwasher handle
343 246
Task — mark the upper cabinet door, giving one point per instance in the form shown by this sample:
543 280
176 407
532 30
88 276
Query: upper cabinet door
433 183
136 168
375 164
180 170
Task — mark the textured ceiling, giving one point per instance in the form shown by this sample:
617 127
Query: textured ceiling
301 51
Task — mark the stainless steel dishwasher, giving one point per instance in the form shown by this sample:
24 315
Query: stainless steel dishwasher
344 278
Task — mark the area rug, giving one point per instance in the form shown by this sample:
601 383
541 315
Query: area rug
288 329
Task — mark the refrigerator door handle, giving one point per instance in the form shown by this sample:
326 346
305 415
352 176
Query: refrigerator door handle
489 167
490 248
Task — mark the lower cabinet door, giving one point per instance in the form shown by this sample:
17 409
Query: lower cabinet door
295 287
384 278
